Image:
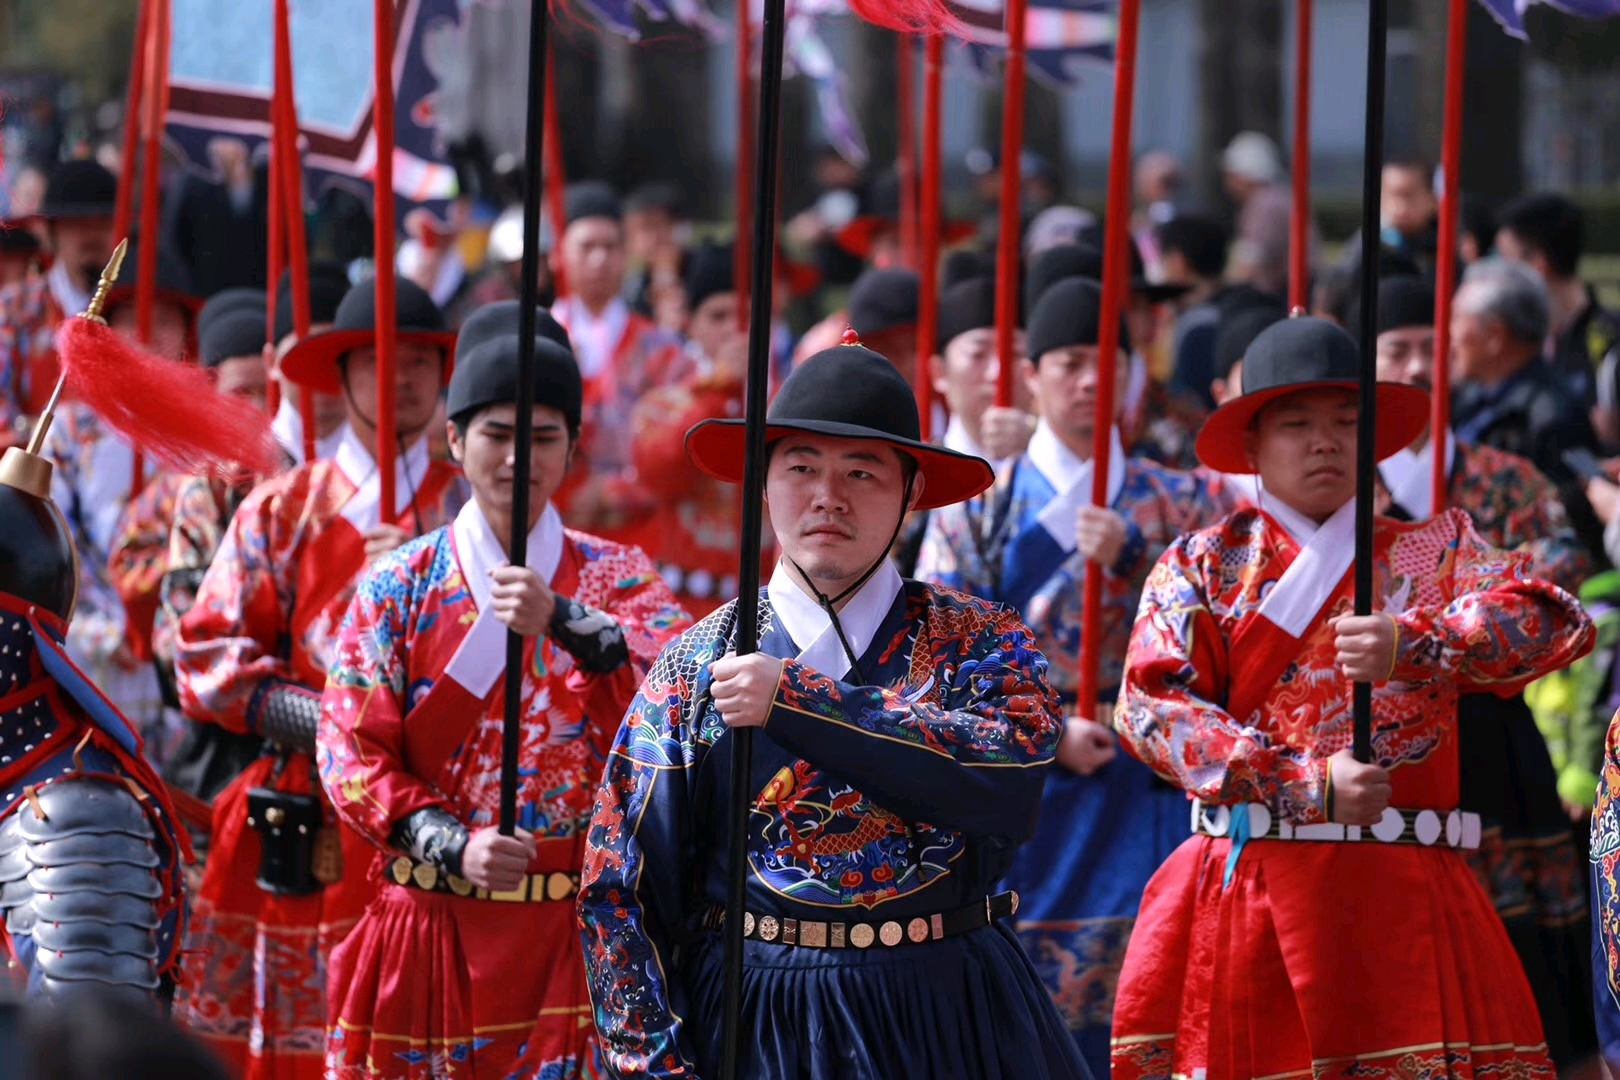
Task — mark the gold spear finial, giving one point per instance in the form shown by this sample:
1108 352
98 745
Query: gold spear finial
109 278
26 469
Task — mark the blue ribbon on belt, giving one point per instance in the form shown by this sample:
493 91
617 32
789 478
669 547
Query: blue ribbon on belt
1238 832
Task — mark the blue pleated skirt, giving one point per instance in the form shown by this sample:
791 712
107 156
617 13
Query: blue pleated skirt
966 1008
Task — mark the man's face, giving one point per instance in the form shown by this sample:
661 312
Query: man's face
1406 202
83 245
1477 340
1304 447
899 346
1064 385
1406 355
242 376
834 504
170 326
487 456
647 233
593 259
965 376
329 409
714 323
418 375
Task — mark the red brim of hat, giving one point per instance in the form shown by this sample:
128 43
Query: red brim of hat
860 235
1403 413
313 362
716 447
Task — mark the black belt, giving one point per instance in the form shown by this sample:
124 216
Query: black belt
814 934
534 888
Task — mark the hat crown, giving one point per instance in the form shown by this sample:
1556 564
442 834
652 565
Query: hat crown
414 309
503 319
849 385
1298 351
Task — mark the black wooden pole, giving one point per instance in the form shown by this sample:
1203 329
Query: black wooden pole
1372 170
753 503
523 435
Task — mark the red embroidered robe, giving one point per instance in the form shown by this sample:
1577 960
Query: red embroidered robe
1325 959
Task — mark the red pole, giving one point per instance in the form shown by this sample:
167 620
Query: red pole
555 179
287 177
1446 264
906 157
1299 226
1116 269
133 110
156 109
741 251
928 227
382 128
1012 146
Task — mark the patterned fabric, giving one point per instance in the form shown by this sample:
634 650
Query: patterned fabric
409 616
140 558
1442 974
29 316
1100 837
603 494
267 613
203 508
881 802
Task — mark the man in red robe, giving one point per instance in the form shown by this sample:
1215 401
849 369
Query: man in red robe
621 356
467 963
252 656
1323 921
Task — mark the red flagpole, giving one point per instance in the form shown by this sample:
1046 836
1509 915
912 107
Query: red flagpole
156 109
272 396
287 178
133 111
1299 225
741 251
928 228
1446 263
556 180
906 157
382 129
1012 146
1116 269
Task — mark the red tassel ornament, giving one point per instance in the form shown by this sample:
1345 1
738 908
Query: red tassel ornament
908 16
166 409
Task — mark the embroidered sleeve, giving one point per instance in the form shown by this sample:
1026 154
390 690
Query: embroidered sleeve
361 743
974 762
432 835
194 537
228 652
1169 715
1502 628
633 886
1605 849
140 554
1539 525
954 554
594 640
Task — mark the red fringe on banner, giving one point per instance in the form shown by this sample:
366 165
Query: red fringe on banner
907 16
166 409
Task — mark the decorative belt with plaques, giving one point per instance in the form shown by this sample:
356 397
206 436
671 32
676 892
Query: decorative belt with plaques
812 934
535 888
1424 828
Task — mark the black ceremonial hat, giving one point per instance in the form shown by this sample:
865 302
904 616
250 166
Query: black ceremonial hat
313 362
231 324
1069 313
487 364
883 300
849 392
328 285
709 272
591 199
81 188
967 305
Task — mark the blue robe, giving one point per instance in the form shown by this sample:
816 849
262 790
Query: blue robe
900 798
1100 837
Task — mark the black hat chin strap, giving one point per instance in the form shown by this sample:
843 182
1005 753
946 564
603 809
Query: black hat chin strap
830 604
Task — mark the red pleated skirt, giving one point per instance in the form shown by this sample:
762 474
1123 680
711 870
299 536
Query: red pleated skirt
432 984
254 977
1322 960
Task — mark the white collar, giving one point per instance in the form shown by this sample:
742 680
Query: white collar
1326 552
959 438
364 506
479 550
806 622
595 337
1246 486
288 428
64 292
1409 476
1063 468
1300 527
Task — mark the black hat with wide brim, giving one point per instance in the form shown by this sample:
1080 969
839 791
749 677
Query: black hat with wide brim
846 392
1305 354
313 362
79 189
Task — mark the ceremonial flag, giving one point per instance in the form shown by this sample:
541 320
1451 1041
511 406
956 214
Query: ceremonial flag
220 74
1061 35
1510 13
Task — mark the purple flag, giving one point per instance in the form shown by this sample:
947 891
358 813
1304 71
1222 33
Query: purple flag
1510 13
